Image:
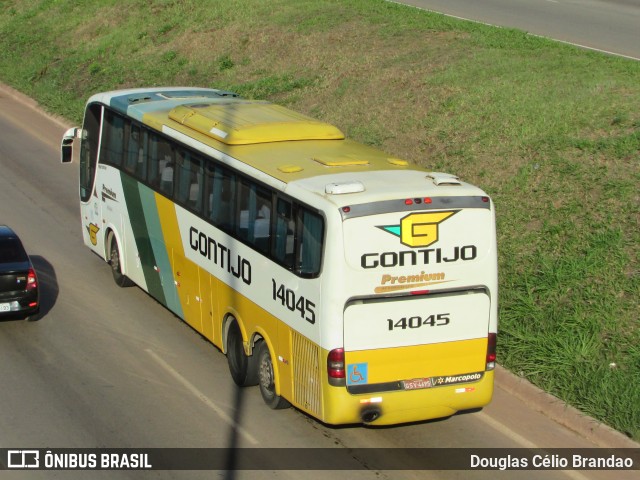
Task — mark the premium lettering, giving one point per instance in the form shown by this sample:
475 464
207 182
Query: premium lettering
404 279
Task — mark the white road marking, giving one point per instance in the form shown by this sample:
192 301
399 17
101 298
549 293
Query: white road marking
519 439
506 431
202 397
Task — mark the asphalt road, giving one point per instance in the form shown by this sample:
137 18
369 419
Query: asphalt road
110 367
608 25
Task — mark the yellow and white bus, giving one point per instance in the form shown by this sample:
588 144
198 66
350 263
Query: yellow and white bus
354 285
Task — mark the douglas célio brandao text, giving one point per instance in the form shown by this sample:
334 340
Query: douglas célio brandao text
542 461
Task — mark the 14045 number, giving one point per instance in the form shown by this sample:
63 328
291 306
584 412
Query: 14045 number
287 297
438 320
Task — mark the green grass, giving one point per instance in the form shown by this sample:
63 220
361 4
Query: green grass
552 132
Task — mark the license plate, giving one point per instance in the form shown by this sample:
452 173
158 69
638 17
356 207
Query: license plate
417 383
5 307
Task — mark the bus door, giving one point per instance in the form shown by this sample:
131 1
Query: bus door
92 224
91 196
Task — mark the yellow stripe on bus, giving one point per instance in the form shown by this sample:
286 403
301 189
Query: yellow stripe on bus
185 273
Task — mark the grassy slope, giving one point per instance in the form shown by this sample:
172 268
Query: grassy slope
550 131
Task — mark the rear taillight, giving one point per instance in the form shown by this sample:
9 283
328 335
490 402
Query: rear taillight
32 280
335 363
492 340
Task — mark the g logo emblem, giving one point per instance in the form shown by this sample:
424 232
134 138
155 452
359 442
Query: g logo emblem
419 229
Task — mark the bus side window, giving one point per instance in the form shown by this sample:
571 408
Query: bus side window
196 183
262 221
134 148
143 155
209 175
310 235
181 175
284 233
188 179
254 215
246 213
219 196
112 148
165 167
153 172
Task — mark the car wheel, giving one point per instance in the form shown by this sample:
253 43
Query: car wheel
33 316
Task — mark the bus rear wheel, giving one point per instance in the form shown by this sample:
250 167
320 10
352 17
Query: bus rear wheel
116 265
267 379
244 369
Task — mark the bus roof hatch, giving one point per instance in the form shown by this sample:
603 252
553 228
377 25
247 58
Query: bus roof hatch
250 122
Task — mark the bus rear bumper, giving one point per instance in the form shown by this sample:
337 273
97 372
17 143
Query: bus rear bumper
391 408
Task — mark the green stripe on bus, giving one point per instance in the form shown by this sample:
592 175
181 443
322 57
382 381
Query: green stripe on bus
142 237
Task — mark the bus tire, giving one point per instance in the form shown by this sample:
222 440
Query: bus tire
116 268
267 378
244 369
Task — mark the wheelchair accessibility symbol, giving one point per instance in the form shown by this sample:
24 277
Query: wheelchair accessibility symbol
357 374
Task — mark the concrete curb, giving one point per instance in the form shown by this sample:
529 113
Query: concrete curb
569 417
32 104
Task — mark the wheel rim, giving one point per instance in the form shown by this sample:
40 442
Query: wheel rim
115 259
266 374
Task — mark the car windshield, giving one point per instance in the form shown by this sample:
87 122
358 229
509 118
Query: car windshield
11 251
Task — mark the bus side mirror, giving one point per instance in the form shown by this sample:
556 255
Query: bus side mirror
66 148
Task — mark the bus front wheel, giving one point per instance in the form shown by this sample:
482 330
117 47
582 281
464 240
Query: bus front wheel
267 379
116 265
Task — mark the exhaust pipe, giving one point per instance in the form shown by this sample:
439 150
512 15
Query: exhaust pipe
369 415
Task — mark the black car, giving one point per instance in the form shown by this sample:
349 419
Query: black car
18 281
